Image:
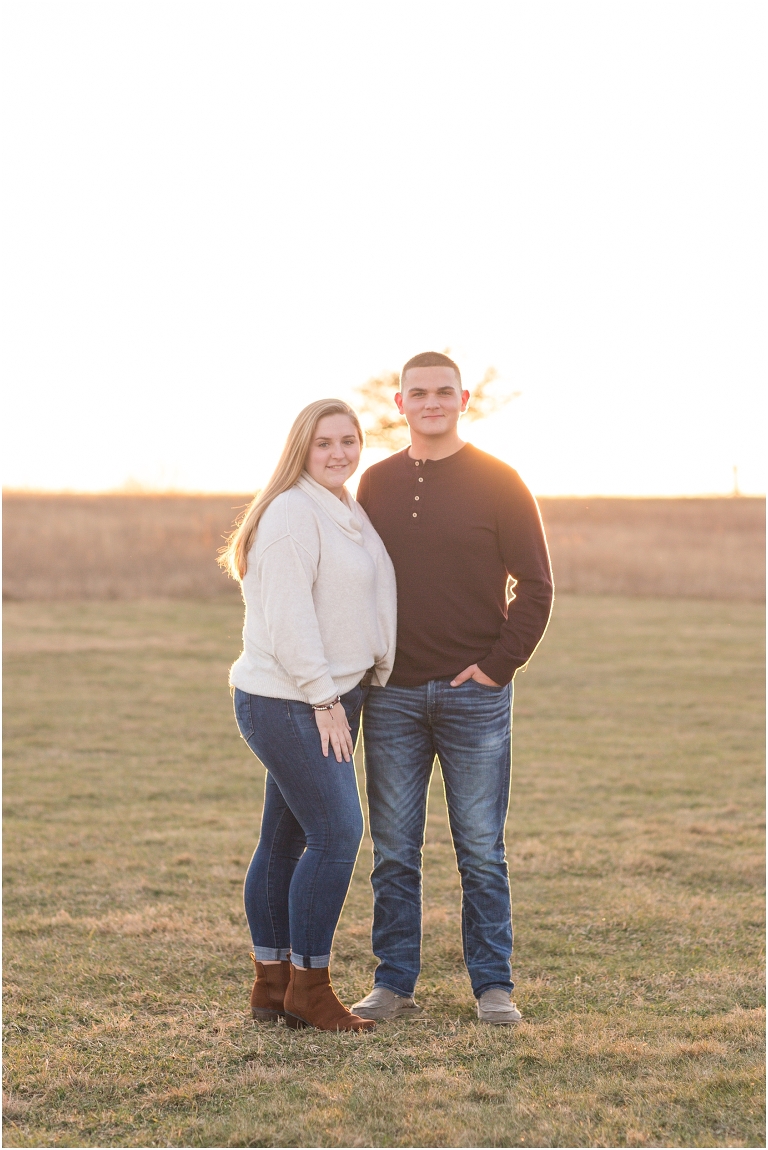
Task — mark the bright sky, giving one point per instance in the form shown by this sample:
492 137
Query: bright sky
218 212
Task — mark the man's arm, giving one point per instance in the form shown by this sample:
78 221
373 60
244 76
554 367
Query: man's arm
523 548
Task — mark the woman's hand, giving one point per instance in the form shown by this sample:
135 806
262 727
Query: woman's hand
334 731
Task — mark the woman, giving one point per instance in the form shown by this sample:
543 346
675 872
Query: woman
319 592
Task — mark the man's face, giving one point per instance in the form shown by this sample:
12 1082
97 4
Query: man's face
431 400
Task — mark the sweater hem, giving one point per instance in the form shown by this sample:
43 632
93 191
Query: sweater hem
273 687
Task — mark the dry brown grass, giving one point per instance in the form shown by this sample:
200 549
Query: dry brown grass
636 847
115 546
141 546
680 548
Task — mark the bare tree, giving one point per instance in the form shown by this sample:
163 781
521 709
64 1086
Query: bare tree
385 427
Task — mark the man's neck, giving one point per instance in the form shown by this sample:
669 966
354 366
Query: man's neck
434 446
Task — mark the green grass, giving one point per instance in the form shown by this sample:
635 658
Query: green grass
635 843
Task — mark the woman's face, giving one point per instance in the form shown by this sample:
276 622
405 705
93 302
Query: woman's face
334 452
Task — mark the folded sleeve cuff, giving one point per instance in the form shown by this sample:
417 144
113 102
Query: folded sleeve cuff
500 669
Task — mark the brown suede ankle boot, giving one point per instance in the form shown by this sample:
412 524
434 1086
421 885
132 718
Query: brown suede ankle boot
269 990
310 1001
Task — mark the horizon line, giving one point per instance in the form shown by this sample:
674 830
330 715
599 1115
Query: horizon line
133 490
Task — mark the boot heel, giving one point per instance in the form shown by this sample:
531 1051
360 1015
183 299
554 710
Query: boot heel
295 1022
261 1014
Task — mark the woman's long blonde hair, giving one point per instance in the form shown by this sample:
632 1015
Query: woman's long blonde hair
233 557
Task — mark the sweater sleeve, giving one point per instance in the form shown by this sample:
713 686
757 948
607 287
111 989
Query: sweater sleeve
287 571
525 555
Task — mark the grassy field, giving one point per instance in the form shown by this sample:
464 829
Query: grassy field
635 842
140 546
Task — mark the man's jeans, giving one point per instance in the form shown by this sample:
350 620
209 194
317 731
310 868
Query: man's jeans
469 729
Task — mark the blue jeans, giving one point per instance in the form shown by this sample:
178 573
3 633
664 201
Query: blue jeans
469 728
310 830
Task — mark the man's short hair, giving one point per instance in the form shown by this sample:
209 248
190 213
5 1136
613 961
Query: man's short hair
430 359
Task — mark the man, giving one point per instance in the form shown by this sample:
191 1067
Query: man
458 523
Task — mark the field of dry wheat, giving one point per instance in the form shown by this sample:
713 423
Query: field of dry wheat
678 548
145 546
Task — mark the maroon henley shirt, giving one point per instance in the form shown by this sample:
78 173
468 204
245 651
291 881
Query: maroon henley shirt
456 530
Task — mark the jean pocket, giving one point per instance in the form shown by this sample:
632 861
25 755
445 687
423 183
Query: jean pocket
484 686
243 714
354 699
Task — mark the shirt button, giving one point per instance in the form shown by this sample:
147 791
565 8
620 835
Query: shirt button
416 498
414 515
417 463
421 479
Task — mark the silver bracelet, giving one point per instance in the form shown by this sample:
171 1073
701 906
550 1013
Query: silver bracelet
326 706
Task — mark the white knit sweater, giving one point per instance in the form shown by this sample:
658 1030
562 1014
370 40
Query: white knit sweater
320 599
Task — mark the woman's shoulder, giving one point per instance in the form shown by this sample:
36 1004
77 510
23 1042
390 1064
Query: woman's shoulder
291 513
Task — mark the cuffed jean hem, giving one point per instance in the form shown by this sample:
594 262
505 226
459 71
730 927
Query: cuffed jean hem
271 953
311 961
398 990
493 986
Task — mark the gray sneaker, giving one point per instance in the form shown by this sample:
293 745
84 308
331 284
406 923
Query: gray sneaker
385 1006
497 1008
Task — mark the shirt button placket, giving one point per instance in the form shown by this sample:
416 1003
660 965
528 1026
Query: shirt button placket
415 513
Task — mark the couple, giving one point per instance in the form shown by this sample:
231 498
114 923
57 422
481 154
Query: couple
399 602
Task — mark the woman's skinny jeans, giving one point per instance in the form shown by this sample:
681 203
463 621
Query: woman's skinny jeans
310 830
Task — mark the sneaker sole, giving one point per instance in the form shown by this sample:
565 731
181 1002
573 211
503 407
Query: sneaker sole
500 1022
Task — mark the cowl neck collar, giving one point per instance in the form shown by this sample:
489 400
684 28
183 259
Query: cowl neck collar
341 511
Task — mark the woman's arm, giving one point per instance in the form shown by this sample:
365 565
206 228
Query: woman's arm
287 571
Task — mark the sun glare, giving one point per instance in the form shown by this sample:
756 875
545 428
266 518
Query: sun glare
568 192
